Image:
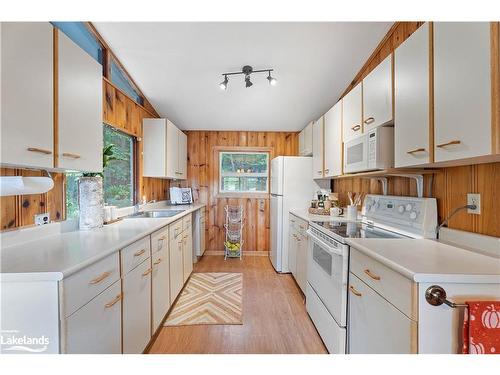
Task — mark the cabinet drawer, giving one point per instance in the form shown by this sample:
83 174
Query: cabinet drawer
159 240
187 222
96 327
175 229
394 287
135 254
81 287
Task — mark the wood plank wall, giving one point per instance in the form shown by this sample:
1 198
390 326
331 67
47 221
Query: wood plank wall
449 187
203 148
119 111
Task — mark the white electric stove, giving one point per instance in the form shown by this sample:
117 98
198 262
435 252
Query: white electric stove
328 264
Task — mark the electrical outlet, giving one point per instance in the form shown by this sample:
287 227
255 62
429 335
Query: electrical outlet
473 198
42 219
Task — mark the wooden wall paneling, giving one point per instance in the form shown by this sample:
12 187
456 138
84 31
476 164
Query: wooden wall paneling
120 114
108 105
487 182
33 204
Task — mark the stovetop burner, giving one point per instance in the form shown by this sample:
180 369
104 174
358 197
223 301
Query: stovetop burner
351 229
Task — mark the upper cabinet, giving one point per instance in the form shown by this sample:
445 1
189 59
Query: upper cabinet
318 148
165 150
27 94
411 88
306 140
333 141
79 108
377 96
352 113
462 90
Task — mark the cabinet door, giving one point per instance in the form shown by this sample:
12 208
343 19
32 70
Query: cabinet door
96 327
154 138
318 148
375 326
352 113
187 253
182 158
377 95
176 267
292 251
333 141
411 111
302 249
172 152
137 308
27 94
161 287
302 145
79 108
462 90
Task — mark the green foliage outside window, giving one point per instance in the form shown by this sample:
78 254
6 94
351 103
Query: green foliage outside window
244 172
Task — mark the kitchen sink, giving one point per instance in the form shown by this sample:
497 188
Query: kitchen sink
155 214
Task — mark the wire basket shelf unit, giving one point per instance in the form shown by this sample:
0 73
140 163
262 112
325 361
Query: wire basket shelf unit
233 245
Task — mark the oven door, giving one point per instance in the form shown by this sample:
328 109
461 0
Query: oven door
327 269
356 155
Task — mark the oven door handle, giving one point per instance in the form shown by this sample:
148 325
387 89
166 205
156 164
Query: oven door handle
324 245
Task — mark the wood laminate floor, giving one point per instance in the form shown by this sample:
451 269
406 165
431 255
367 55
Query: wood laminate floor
274 316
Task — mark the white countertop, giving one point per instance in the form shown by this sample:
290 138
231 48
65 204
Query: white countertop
424 260
305 215
60 255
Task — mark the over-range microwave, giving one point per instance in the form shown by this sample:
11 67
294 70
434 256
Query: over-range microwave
370 151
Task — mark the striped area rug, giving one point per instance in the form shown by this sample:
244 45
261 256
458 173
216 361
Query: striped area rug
209 298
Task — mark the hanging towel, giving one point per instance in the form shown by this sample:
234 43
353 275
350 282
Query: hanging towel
482 328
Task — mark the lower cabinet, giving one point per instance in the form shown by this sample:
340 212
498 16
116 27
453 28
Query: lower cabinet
292 249
301 268
176 267
187 253
96 327
160 287
137 308
375 325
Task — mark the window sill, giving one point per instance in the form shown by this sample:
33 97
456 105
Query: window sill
243 195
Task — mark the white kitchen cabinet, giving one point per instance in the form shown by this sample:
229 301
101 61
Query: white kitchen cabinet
352 114
96 327
377 96
165 150
462 90
375 325
160 287
79 108
411 86
301 268
176 266
292 247
297 250
137 308
333 141
318 148
27 94
187 253
306 140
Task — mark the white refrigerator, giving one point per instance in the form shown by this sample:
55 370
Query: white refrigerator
291 187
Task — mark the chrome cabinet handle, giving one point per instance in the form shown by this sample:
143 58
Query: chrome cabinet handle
109 304
369 120
421 149
373 276
356 128
455 142
354 291
39 150
139 253
100 278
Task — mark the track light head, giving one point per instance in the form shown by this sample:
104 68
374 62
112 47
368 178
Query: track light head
272 81
248 83
223 84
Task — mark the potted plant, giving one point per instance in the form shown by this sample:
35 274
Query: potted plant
91 194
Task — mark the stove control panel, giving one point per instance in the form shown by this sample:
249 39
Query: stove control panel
417 216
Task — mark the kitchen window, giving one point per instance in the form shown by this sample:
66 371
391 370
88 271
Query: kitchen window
243 172
121 80
118 181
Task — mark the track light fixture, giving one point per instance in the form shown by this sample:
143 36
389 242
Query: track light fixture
247 70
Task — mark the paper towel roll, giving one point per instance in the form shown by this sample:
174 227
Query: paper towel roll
18 185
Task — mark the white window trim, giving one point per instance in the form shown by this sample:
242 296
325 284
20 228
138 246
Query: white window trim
244 174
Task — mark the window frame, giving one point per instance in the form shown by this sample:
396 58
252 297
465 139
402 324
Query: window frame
243 150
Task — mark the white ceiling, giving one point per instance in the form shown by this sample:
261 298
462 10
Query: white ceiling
178 67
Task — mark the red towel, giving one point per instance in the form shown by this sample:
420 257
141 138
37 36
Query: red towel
482 328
